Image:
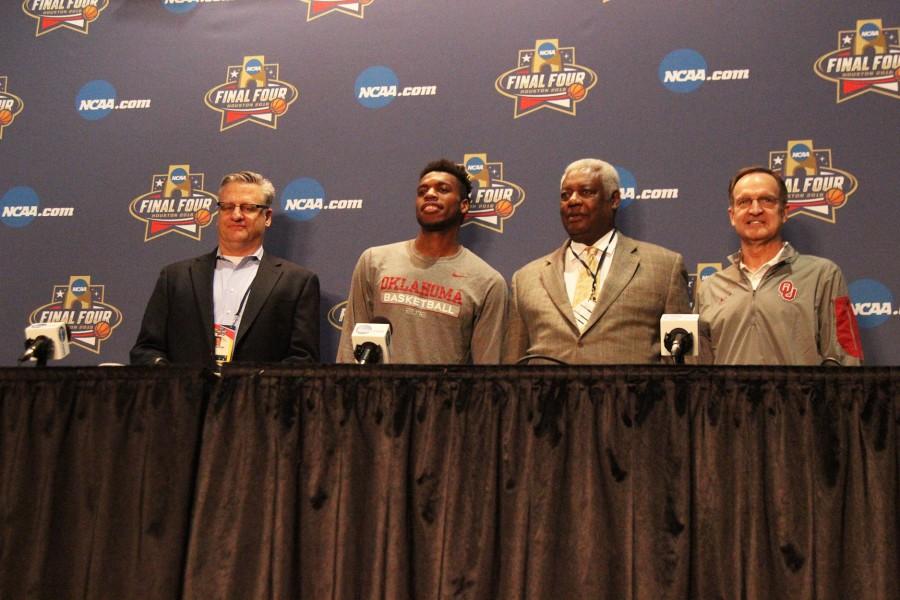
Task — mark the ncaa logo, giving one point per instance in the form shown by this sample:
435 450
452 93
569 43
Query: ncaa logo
708 271
628 190
474 166
873 303
79 287
869 31
682 71
95 100
303 199
253 67
19 207
179 175
800 152
376 87
627 186
547 50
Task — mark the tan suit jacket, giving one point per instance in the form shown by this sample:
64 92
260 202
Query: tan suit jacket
644 282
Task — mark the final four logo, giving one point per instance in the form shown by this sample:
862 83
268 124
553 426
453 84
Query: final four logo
815 188
252 93
10 106
80 305
320 8
867 60
176 203
493 199
546 77
76 15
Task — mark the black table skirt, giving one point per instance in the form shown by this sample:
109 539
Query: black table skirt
338 482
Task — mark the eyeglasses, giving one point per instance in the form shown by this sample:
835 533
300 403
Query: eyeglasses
247 209
765 203
585 192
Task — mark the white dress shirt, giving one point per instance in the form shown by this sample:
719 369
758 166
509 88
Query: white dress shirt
231 285
574 268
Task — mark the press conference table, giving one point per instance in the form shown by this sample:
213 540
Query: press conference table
449 482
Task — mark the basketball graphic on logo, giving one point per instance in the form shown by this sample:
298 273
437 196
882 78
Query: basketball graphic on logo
102 330
503 208
278 106
835 197
202 217
5 117
576 91
90 12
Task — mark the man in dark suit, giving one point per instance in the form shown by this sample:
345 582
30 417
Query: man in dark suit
237 303
599 297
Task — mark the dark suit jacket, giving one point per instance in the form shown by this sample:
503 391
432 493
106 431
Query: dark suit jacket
644 282
280 321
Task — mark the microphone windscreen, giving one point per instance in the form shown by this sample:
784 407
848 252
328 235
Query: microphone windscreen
383 321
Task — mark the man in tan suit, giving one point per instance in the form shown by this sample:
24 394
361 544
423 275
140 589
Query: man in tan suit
599 297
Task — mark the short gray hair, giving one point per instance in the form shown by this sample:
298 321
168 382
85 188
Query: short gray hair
609 177
268 189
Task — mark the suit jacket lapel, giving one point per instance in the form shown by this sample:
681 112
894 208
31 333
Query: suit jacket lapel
624 264
202 271
553 280
266 277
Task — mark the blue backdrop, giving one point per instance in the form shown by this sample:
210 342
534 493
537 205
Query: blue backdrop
118 118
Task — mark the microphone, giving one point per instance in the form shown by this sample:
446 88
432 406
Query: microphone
44 341
372 342
677 333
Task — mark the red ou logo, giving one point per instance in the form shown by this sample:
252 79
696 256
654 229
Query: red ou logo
787 290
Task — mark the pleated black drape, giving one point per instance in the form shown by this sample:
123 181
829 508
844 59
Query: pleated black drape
477 483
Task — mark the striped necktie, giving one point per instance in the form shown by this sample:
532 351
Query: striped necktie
584 286
585 277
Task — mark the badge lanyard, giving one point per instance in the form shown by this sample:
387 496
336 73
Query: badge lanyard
594 274
225 335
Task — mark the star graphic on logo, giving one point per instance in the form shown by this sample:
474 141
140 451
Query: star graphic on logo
778 160
51 18
250 106
560 89
162 215
854 70
320 8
